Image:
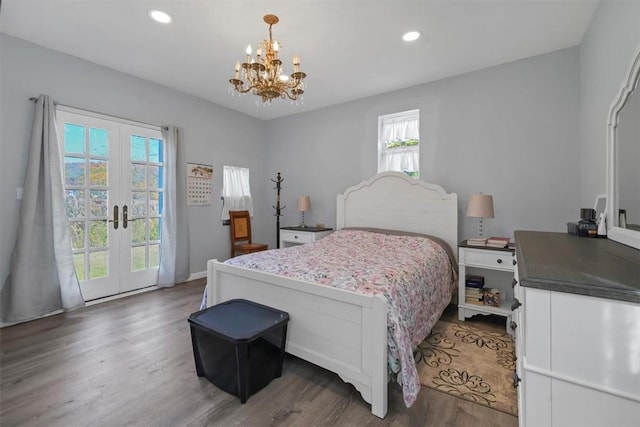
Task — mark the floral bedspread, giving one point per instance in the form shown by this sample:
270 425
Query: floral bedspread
415 274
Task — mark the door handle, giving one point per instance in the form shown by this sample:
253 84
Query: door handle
125 216
115 217
516 380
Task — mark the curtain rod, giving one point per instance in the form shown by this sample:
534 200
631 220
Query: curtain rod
34 99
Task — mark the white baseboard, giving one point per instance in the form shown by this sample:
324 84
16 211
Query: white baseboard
198 275
194 276
4 325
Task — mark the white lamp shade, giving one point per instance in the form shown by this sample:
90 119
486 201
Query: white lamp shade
304 203
480 206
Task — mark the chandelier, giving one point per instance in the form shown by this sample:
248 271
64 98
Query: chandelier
263 75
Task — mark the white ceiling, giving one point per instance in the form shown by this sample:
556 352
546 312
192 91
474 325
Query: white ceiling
349 49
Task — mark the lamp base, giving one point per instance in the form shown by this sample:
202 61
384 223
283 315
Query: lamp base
480 228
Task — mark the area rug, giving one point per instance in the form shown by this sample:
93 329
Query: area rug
470 363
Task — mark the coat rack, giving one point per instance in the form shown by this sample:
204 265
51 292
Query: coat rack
277 207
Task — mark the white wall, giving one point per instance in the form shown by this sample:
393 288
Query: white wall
510 131
212 134
605 57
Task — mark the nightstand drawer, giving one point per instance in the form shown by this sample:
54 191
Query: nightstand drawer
297 237
502 260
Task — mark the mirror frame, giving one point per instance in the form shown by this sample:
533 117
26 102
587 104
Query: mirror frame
614 232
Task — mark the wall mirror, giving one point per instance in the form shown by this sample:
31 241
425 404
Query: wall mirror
623 160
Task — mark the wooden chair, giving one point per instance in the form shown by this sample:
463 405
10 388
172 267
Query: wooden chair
240 231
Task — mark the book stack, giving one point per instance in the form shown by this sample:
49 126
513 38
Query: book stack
498 242
477 241
474 291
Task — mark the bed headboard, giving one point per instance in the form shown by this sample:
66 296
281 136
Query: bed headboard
393 200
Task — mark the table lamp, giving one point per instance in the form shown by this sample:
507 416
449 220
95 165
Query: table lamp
480 206
304 204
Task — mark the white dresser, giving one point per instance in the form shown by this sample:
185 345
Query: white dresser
290 236
577 328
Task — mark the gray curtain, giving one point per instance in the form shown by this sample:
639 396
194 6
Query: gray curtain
174 243
42 277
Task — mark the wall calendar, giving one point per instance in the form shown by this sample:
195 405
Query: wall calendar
199 184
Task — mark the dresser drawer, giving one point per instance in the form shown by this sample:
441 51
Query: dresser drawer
297 237
502 260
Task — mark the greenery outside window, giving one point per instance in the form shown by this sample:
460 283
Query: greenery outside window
399 142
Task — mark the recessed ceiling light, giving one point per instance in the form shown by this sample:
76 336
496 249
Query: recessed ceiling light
411 36
160 16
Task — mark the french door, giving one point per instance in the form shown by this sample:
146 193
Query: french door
113 196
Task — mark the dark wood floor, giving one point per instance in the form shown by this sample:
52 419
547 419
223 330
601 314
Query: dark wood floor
129 362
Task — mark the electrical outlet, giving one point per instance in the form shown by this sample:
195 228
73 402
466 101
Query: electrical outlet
19 193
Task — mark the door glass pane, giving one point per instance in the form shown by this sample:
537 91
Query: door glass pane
98 142
139 203
138 176
154 256
98 234
138 258
138 148
73 170
98 264
77 234
73 138
154 203
155 150
154 181
98 172
98 204
74 202
138 231
78 261
154 229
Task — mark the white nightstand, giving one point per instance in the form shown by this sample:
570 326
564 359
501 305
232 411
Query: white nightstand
497 266
290 236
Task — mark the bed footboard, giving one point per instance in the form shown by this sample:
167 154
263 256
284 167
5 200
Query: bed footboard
339 330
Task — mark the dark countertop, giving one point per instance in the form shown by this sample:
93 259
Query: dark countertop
578 265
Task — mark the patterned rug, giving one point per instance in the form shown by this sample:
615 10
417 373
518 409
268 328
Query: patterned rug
470 363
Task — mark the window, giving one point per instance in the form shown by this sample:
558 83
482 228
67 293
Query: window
399 142
236 192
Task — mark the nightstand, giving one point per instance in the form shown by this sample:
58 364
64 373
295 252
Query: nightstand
497 266
290 236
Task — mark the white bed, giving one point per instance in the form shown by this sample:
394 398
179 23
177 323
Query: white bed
358 353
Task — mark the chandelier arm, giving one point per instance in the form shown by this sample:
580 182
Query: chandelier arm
242 89
293 98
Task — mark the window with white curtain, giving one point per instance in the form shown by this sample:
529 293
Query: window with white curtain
236 192
399 142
